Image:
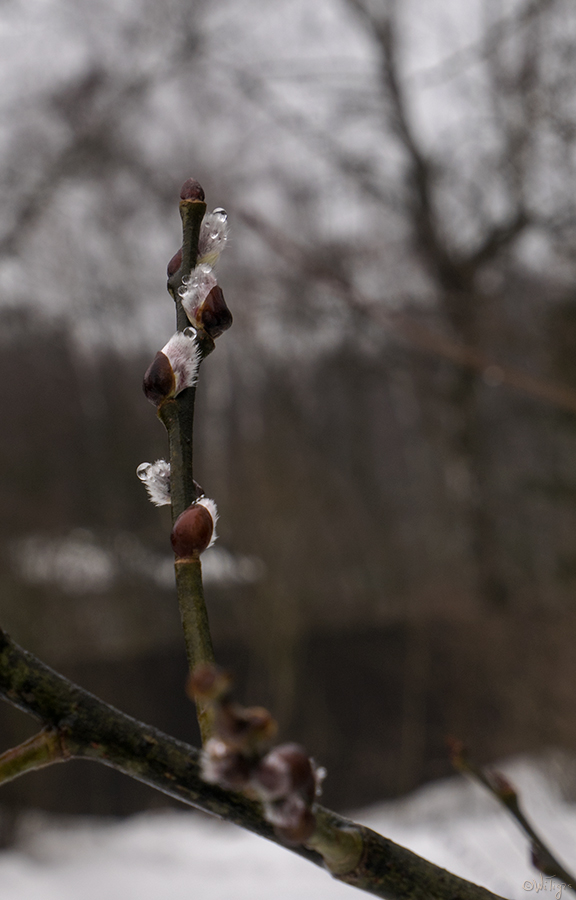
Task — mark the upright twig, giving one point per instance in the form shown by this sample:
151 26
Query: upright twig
177 415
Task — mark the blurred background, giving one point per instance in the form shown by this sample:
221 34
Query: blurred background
389 429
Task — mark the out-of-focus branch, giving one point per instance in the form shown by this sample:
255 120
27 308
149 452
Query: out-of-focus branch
500 788
408 329
92 108
453 270
90 729
453 64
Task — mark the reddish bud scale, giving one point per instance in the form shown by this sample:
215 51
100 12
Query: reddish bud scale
285 770
214 315
174 263
159 380
192 531
192 190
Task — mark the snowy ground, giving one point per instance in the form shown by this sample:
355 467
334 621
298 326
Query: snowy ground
185 855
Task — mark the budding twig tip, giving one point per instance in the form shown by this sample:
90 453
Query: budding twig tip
192 190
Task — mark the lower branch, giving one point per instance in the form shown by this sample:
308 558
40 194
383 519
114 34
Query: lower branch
86 727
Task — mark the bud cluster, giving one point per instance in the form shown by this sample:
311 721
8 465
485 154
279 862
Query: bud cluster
174 368
201 297
238 757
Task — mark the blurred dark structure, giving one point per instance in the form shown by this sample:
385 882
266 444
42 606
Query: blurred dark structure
410 514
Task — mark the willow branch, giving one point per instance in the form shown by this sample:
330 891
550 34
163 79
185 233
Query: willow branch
177 415
88 728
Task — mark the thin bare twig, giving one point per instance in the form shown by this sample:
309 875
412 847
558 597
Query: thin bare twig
542 857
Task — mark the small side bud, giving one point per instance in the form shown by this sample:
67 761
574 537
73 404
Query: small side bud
174 368
192 190
156 479
208 682
248 730
184 355
193 530
214 315
174 263
502 788
159 381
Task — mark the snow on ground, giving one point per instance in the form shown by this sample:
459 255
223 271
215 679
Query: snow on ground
185 855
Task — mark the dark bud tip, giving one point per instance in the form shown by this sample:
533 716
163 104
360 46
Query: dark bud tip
192 190
192 531
214 315
159 381
174 263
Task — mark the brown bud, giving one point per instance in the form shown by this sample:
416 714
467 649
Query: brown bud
191 190
245 729
192 531
503 788
301 827
214 315
159 380
285 770
174 263
208 682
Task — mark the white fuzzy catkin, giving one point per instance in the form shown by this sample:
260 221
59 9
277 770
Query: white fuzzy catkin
212 509
156 479
184 355
196 288
213 237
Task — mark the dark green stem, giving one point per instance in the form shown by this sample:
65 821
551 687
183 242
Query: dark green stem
196 629
178 420
90 729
